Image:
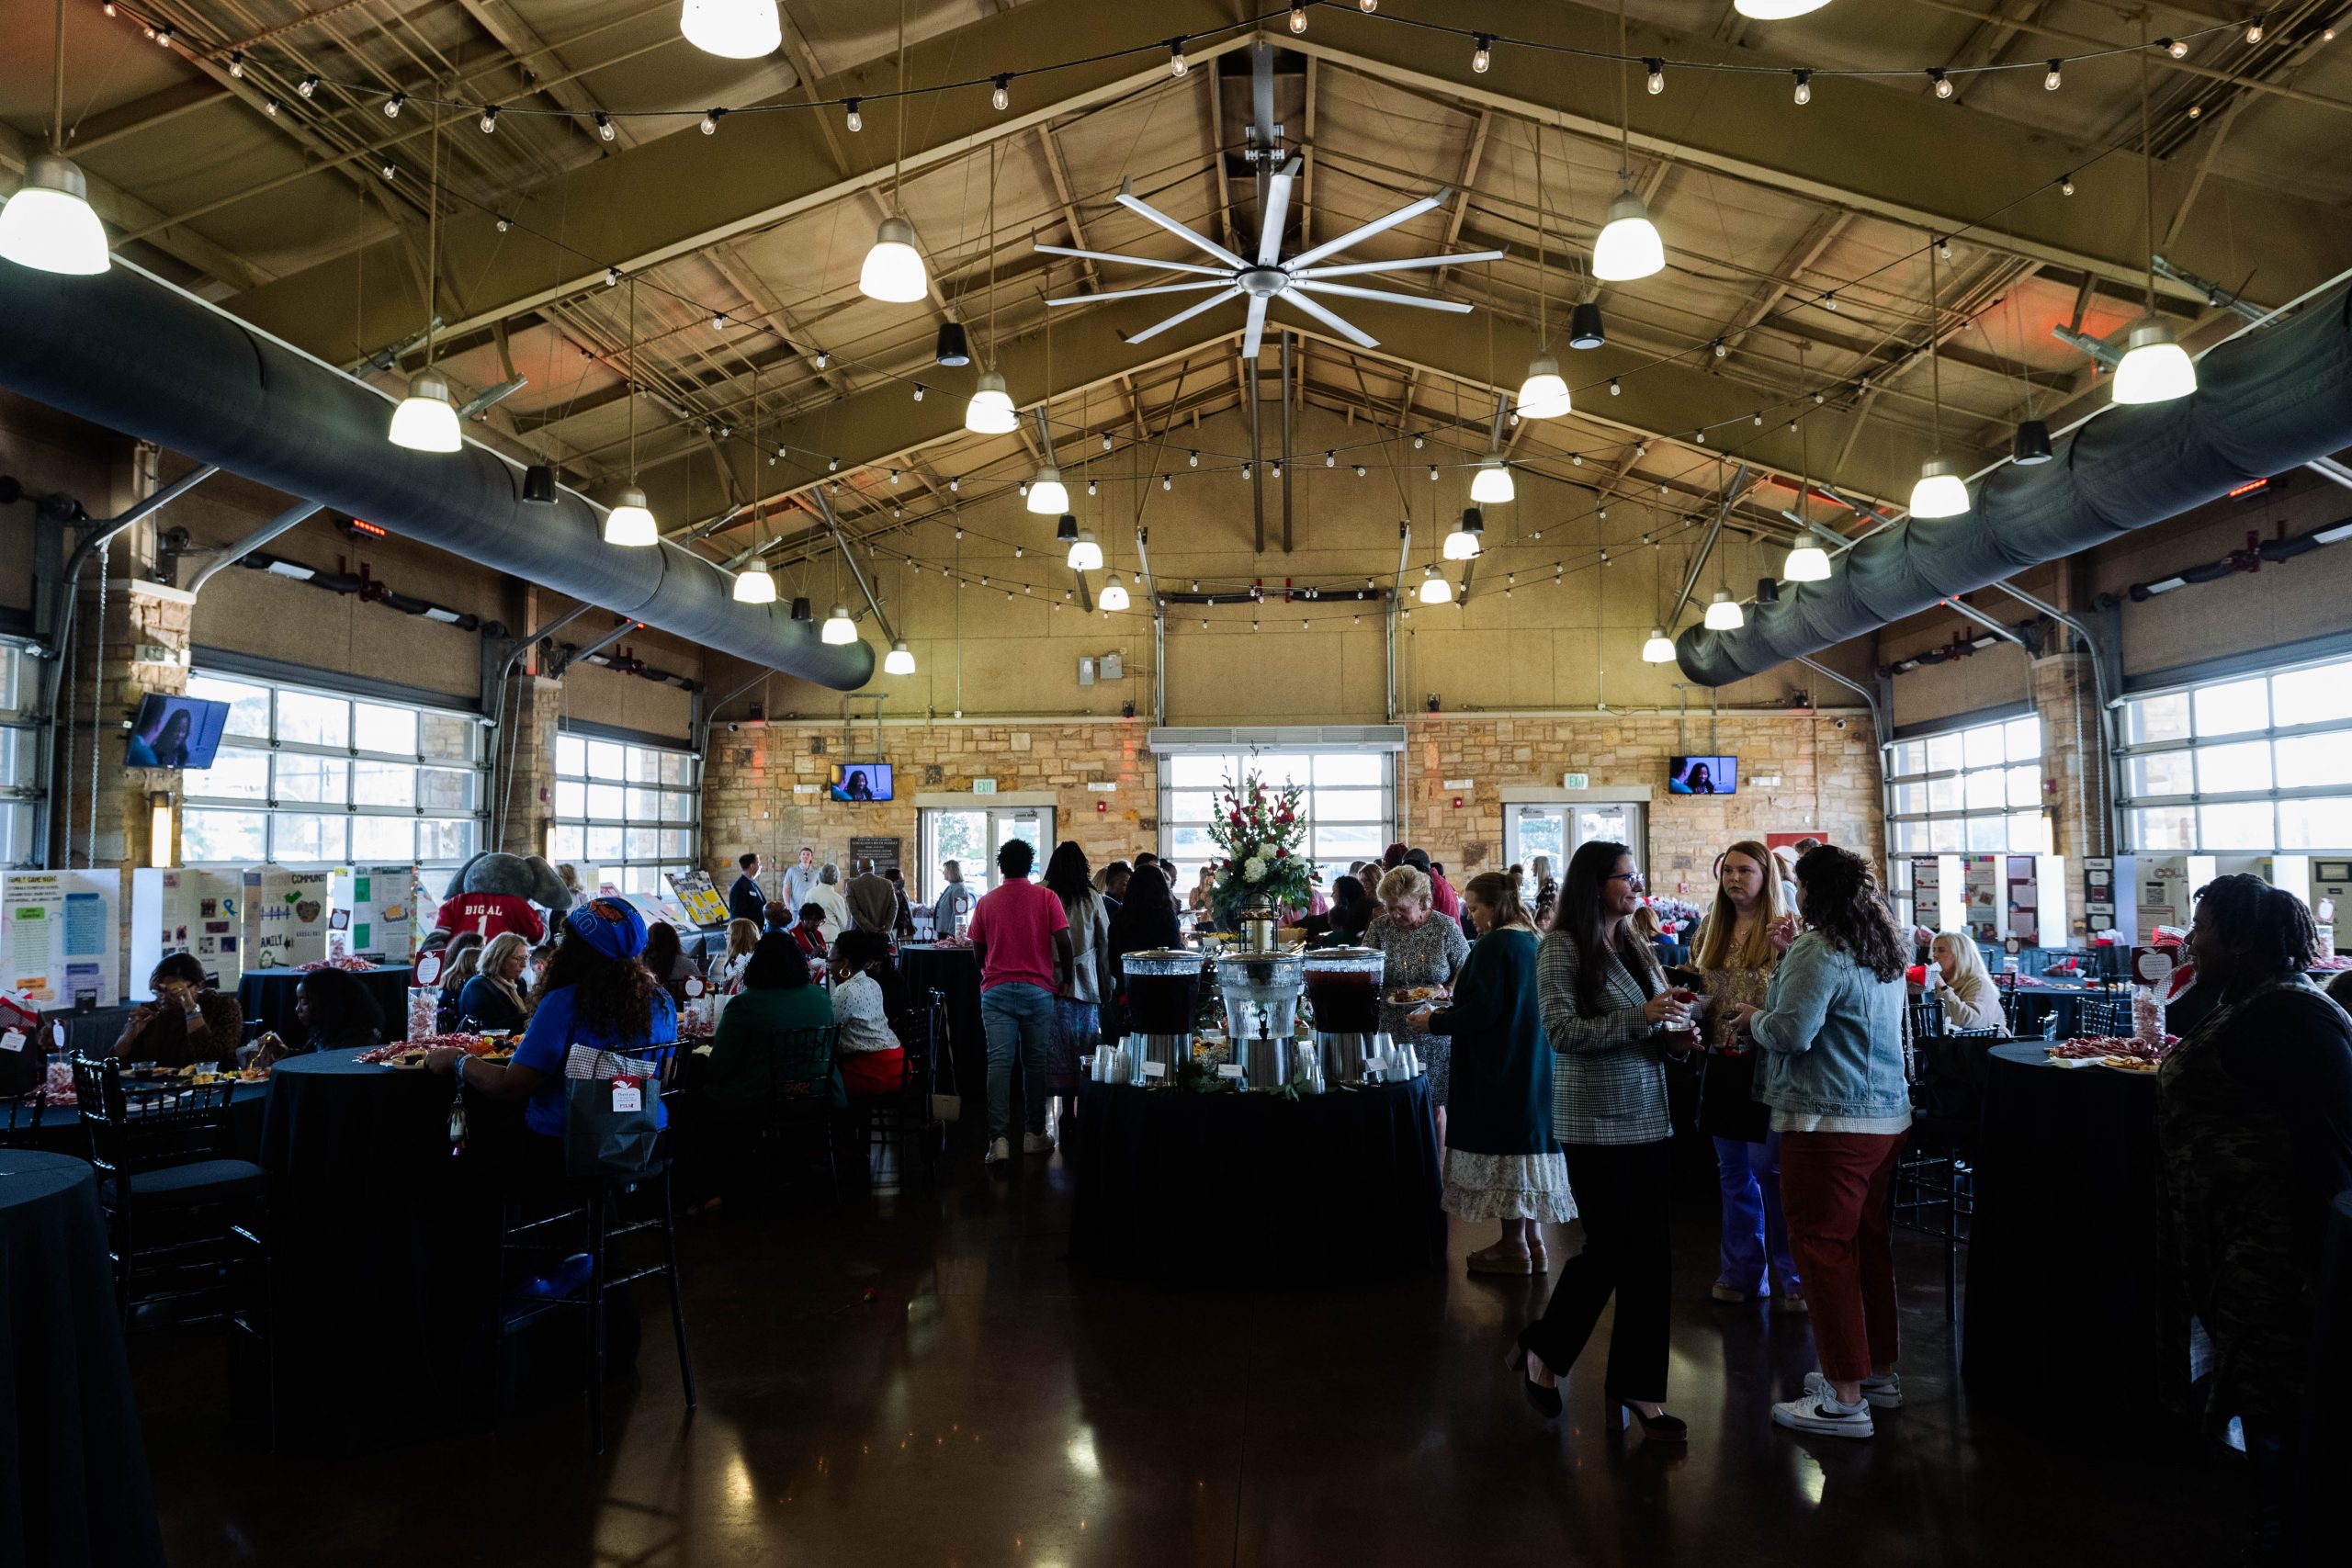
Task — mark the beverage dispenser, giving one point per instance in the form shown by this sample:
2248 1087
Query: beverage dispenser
1343 991
1164 998
1261 992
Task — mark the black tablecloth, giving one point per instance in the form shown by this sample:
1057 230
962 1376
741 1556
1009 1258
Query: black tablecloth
268 997
62 1130
385 1248
1252 1188
2325 1528
956 972
73 1485
2063 1288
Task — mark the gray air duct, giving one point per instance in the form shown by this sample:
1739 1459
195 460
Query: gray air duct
2265 403
133 354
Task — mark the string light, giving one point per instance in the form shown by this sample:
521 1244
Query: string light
269 107
1001 96
1942 82
1804 87
2254 32
605 131
2174 47
1177 66
308 87
1298 18
856 120
1657 69
2066 185
2051 80
710 122
236 62
1191 459
1483 55
489 122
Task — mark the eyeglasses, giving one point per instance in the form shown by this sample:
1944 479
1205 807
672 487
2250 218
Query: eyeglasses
1633 877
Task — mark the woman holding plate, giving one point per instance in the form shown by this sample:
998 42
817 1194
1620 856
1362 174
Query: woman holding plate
1424 955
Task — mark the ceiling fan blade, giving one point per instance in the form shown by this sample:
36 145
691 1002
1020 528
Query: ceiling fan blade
1131 293
1255 334
1403 264
1141 207
1385 295
1404 214
1276 217
1136 261
1348 330
1181 317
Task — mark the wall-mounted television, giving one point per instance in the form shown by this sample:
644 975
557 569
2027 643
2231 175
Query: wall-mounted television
1702 775
175 732
859 782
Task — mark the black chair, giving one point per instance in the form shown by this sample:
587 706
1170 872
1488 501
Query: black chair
1926 1015
905 1112
2103 1015
801 1095
1936 1172
591 1214
23 1131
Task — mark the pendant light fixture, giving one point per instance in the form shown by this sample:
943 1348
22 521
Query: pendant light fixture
1628 246
2155 367
800 609
1466 539
2032 445
954 348
894 271
1544 394
1086 555
1808 562
755 584
1113 596
1047 494
630 521
900 661
839 630
48 225
732 29
427 420
1491 485
1940 492
1584 329
1723 613
1659 649
1435 589
991 412
1775 10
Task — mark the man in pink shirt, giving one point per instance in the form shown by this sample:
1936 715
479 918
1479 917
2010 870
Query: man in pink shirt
1020 936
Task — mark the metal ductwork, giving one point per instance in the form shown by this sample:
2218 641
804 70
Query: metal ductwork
129 352
2267 402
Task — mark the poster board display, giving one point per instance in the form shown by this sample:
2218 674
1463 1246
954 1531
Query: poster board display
2159 896
1980 879
191 910
286 916
1929 887
64 936
2099 893
2022 898
371 912
700 897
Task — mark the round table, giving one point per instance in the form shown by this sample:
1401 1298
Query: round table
266 997
955 972
73 1484
385 1247
2062 1287
2325 1528
1251 1188
62 1130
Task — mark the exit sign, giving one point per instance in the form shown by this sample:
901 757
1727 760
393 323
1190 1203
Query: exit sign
984 786
1575 781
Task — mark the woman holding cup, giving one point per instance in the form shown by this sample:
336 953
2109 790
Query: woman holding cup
1612 1020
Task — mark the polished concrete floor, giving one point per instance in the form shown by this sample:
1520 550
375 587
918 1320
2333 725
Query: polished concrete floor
986 1407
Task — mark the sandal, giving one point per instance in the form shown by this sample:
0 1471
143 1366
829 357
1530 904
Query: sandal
1492 1260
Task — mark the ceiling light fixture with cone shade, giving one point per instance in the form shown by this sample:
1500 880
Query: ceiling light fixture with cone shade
1464 542
1115 597
732 29
1544 394
49 226
1723 613
894 271
1047 495
1940 492
1659 649
1775 10
2032 445
1628 246
1492 486
991 412
900 661
1086 555
1807 563
839 628
2154 369
801 610
630 521
1585 330
756 584
1436 589
426 420
954 347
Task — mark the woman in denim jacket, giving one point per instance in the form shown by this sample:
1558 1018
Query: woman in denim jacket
1831 1031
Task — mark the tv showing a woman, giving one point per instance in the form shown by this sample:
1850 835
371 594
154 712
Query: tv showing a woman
853 786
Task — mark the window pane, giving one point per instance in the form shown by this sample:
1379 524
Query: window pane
2245 766
605 802
248 706
1943 753
1911 799
603 844
1943 795
383 783
444 789
2163 773
308 720
677 843
1349 768
1910 757
1282 768
642 806
1981 747
2234 707
315 779
2024 738
1190 767
2025 786
1903 836
2156 718
383 838
447 737
645 843
571 798
569 839
2322 824
2312 696
1188 842
1190 805
1346 805
677 768
2029 833
644 765
1988 833
2244 824
677 806
2165 828
1362 842
298 837
570 756
376 727
1988 790
2315 759
208 836
441 843
1946 834
605 759
235 774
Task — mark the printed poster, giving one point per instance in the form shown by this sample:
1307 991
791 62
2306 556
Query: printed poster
286 916
1979 879
2024 900
62 944
189 910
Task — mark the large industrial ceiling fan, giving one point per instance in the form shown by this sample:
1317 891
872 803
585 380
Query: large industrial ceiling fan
1270 276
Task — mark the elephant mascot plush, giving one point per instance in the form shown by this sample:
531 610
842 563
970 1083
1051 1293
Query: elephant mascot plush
494 893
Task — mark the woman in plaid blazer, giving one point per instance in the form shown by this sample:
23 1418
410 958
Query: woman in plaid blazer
1611 1020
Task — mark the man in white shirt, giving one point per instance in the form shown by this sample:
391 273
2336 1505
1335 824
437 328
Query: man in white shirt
800 881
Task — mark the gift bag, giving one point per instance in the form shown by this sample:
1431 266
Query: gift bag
1727 1104
610 1117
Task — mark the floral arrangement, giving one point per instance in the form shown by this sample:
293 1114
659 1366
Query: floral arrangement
1260 835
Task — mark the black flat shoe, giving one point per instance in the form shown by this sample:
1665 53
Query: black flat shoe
1546 1400
1665 1429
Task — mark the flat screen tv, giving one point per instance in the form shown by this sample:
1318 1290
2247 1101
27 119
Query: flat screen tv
1702 775
175 732
860 781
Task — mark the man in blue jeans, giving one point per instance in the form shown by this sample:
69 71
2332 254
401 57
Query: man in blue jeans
1020 936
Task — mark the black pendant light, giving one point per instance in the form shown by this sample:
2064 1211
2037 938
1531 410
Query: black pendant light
539 485
2032 443
1584 326
801 612
954 348
1065 531
1767 590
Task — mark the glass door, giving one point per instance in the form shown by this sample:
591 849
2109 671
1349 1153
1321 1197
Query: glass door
971 836
1554 827
1034 825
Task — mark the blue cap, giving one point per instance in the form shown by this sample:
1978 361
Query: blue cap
608 925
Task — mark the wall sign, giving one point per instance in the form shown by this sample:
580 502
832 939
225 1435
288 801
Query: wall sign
63 944
984 786
1575 781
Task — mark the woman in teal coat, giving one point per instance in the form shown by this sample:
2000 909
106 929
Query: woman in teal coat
1501 1161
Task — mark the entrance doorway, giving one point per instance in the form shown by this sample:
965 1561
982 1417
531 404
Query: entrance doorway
972 836
1554 827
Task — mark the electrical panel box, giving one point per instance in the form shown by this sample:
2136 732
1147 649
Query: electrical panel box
1085 671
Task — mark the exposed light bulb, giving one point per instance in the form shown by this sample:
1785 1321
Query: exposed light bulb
2051 79
390 170
2066 185
1614 389
732 29
1191 459
48 224
2254 32
1359 471
893 271
756 584
1176 64
1657 75
489 120
236 61
426 420
1001 94
1804 88
1483 54
1167 481
612 277
605 131
1942 82
2174 48
1367 7
1298 18
1723 613
269 107
2155 367
711 120
629 524
308 85
856 120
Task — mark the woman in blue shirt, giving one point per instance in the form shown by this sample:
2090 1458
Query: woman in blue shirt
594 993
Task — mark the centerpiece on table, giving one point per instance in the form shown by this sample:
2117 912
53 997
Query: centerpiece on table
1261 835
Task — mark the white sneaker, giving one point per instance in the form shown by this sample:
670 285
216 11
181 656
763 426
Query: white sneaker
1819 1411
1037 1144
998 1151
1886 1392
